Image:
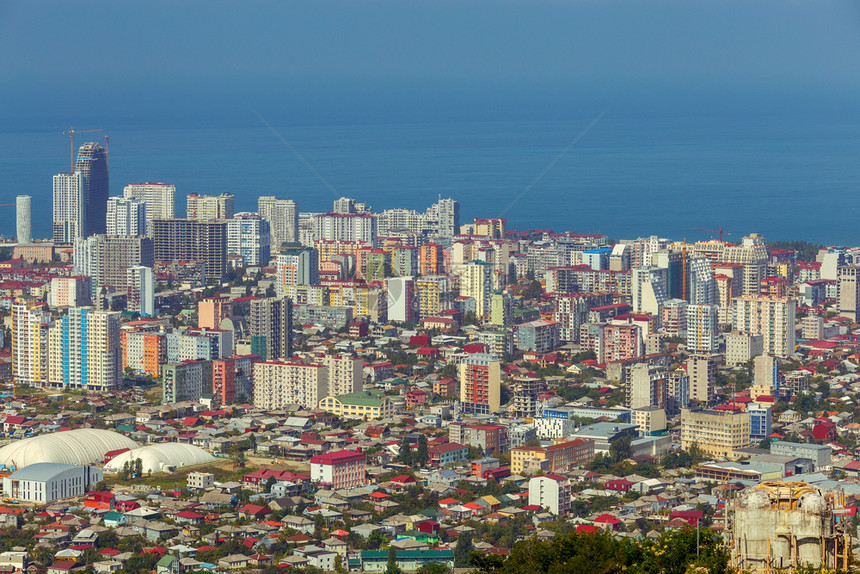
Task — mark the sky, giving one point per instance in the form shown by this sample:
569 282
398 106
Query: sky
316 61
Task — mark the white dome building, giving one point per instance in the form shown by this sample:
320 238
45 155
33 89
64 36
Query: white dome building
162 457
80 446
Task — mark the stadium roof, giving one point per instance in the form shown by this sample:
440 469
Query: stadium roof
158 457
80 446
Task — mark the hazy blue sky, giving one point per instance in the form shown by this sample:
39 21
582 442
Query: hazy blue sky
331 61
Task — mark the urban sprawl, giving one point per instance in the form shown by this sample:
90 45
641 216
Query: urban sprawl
397 391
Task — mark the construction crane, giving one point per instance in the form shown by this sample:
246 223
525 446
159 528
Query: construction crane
720 231
107 151
72 131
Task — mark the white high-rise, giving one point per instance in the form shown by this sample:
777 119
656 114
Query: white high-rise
24 218
476 281
126 216
209 207
649 290
30 323
346 227
160 200
141 290
771 317
296 266
249 236
84 350
283 218
702 287
69 207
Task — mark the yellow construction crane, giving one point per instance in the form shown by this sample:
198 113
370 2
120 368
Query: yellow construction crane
72 131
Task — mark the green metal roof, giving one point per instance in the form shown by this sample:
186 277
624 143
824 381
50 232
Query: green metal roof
363 398
408 554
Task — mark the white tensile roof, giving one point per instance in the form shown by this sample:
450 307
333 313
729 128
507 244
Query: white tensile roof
79 446
158 457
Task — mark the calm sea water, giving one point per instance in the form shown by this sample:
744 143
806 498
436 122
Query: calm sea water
788 178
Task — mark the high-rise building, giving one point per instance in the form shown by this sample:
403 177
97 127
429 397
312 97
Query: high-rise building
703 379
194 344
296 265
649 290
144 351
347 205
767 378
30 323
848 291
212 310
647 386
480 384
702 329
701 286
404 261
75 291
550 492
248 236
92 163
346 227
160 200
283 218
141 290
233 379
189 240
673 263
501 310
446 214
209 207
476 281
279 384
84 350
186 381
674 317
70 216
771 317
402 302
270 327
434 295
345 374
107 258
432 260
23 219
126 216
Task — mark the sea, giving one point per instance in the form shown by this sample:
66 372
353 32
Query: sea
786 177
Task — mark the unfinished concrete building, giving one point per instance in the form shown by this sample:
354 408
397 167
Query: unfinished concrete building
782 526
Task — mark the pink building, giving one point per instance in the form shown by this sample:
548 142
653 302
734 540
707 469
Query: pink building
621 342
341 469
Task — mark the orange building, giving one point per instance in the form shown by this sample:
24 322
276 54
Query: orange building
212 310
432 259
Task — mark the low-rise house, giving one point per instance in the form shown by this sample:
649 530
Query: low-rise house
233 562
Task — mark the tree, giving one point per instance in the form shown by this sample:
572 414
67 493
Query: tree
620 448
375 540
101 486
422 456
462 550
392 567
137 467
434 568
406 452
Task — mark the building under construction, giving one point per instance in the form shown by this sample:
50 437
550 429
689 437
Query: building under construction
782 526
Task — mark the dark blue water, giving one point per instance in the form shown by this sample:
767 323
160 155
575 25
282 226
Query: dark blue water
788 178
